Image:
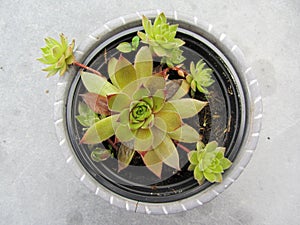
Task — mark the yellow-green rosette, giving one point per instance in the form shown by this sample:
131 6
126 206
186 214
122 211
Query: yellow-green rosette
58 55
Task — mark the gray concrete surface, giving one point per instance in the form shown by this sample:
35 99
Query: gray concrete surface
38 187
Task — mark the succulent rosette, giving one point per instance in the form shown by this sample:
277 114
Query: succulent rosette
162 41
208 162
200 77
142 118
58 55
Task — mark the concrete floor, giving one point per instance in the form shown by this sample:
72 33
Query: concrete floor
38 187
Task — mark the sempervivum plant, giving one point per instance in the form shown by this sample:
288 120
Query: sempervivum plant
160 36
199 77
208 162
58 55
142 118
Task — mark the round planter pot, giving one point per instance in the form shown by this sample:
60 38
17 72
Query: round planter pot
234 119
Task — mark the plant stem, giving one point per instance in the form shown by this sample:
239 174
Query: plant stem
87 68
112 144
183 148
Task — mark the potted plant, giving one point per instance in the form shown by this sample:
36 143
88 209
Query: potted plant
155 115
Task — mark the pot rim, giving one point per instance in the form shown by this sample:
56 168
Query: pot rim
253 107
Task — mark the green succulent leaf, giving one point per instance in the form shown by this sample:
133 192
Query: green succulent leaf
149 101
168 45
194 85
168 154
141 93
198 174
136 125
185 133
173 30
170 118
187 107
153 162
45 61
98 85
111 69
192 69
143 140
49 68
148 123
83 109
218 169
159 51
118 102
69 51
124 117
160 19
147 25
70 59
124 133
135 42
178 42
211 177
189 78
192 156
131 88
141 35
211 146
124 47
191 167
100 131
159 134
124 72
225 163
143 63
200 146
158 101
218 177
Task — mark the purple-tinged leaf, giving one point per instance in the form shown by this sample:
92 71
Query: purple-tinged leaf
125 155
97 103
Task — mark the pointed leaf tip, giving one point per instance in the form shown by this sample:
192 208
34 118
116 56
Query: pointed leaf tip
152 162
187 107
98 85
168 153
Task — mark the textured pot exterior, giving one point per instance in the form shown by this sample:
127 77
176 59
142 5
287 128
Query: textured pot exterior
253 108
